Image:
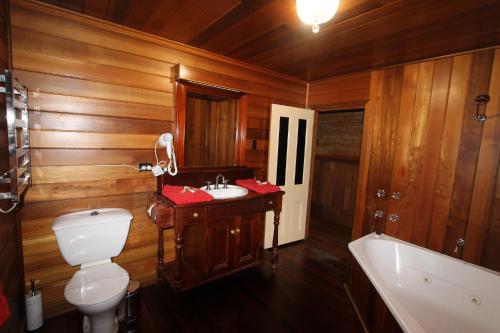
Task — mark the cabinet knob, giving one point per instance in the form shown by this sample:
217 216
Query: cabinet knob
270 202
232 232
237 231
195 215
378 214
381 193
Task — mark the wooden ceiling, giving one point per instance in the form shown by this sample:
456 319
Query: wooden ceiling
365 34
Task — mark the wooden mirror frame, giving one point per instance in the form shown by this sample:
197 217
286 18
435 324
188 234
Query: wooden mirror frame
183 88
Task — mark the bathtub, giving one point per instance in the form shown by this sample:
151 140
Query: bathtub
427 291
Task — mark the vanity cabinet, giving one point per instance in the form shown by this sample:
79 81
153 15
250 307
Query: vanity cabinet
216 238
234 242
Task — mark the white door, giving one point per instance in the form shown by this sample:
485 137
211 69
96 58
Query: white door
290 144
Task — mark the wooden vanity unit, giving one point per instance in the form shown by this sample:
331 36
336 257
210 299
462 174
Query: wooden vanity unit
216 238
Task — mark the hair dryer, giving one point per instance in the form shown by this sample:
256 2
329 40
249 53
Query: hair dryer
166 140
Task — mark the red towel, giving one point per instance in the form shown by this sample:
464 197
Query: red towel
4 308
181 196
253 185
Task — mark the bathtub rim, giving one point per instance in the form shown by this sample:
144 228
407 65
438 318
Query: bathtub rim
405 320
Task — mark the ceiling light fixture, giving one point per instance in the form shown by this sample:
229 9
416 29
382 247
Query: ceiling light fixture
316 12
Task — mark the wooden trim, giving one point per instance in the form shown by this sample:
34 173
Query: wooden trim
351 105
242 131
183 88
364 162
180 122
103 24
311 173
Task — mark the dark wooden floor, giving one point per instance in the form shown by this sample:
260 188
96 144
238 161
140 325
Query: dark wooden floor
305 295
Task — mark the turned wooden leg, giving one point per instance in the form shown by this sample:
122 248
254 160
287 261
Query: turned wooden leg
274 257
160 247
179 247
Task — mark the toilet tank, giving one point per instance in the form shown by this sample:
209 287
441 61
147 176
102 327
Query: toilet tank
91 235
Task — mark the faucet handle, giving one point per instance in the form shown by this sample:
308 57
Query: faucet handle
208 185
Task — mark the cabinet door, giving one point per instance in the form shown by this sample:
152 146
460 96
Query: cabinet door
249 239
220 245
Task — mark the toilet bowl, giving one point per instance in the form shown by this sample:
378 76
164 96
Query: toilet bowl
96 292
91 238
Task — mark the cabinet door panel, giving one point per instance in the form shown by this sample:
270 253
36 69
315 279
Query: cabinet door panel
249 230
220 245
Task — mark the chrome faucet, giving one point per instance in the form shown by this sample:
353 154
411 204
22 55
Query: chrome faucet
217 181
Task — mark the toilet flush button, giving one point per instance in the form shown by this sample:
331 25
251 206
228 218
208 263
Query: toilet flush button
94 213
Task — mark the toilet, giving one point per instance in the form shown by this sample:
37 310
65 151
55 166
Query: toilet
90 238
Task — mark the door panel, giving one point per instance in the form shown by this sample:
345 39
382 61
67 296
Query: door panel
248 241
290 146
220 243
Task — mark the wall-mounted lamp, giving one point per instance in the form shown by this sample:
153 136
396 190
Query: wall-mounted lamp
316 12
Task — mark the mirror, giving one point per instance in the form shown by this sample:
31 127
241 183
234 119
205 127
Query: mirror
211 126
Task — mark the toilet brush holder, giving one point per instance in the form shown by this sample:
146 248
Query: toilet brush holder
34 310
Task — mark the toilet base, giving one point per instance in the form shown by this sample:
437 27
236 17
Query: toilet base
101 323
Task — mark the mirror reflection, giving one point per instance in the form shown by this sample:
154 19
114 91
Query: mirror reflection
211 130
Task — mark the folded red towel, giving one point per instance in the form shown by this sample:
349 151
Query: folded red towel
254 185
180 195
4 308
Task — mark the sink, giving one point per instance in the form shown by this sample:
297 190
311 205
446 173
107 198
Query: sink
231 192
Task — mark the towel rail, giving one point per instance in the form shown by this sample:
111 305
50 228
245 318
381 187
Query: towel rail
19 174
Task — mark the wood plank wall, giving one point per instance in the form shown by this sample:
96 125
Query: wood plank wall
11 268
101 94
343 92
424 143
334 189
338 141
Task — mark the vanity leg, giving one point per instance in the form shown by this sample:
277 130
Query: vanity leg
160 247
179 248
274 257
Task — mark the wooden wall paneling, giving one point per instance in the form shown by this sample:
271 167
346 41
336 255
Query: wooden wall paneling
378 147
431 146
437 153
66 85
99 33
52 157
90 71
101 94
449 151
29 40
417 84
470 141
334 189
343 92
85 123
293 93
483 227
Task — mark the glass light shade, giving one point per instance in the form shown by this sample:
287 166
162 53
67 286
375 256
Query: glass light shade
316 12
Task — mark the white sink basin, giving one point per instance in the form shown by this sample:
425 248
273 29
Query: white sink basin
231 192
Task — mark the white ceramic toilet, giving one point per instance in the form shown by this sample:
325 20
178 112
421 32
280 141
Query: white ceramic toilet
90 238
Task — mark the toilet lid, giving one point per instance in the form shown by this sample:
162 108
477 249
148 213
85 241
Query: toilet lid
96 284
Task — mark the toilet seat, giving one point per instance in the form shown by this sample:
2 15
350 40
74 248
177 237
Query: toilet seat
96 284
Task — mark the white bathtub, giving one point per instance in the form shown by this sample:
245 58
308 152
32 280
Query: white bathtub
427 291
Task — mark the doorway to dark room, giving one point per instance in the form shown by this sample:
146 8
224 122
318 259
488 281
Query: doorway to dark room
336 161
